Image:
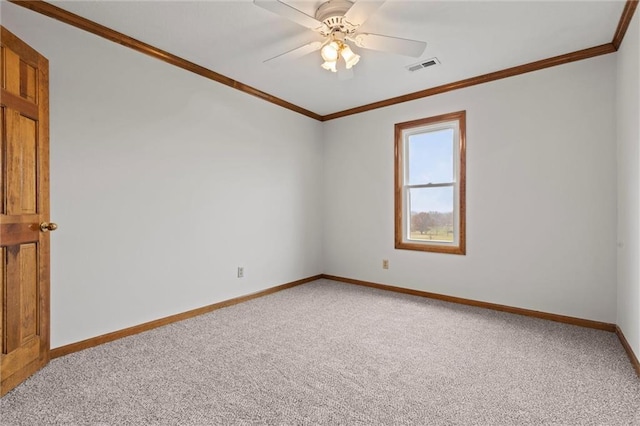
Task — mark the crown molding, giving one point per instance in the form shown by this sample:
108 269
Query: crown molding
485 78
77 21
625 19
623 24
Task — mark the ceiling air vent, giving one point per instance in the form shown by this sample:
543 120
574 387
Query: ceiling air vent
423 64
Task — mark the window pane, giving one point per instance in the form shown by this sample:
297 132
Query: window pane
431 214
431 157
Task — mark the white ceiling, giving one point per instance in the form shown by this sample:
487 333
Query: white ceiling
470 38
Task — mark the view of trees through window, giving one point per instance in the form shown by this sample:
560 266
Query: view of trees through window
436 226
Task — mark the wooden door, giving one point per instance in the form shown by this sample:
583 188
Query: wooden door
24 208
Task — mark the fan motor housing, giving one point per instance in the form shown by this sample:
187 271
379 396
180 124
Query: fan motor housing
332 14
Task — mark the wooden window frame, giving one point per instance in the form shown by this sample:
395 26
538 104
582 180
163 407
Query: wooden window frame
402 218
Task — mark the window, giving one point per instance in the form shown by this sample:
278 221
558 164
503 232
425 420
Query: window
430 184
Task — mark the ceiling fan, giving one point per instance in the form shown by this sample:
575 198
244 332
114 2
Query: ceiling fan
338 23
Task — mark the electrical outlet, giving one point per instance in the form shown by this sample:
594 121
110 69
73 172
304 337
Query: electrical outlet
240 272
385 264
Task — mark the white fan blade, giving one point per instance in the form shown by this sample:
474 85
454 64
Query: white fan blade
344 73
361 10
401 46
298 52
291 13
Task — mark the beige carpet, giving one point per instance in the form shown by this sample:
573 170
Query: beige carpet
332 353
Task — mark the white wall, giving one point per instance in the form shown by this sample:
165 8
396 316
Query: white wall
163 182
628 126
541 194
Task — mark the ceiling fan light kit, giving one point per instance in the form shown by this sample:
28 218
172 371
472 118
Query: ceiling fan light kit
334 50
339 21
349 57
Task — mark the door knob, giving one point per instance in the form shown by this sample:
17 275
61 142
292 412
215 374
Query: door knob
48 226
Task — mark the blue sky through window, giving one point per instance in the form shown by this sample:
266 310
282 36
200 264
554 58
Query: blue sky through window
431 161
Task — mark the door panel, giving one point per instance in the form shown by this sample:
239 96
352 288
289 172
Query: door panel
21 297
24 205
21 164
28 84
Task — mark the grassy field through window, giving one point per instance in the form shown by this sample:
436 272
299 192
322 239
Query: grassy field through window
436 234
